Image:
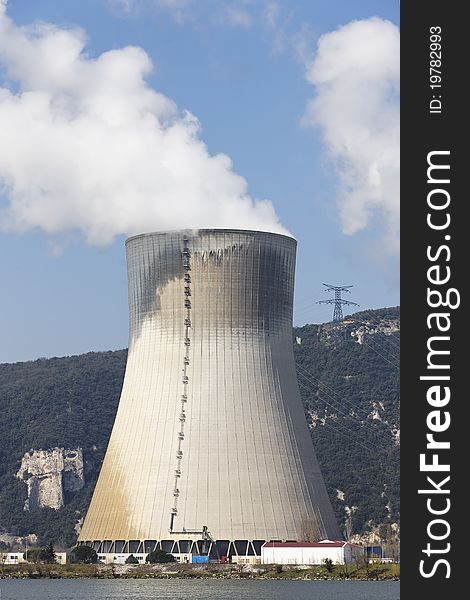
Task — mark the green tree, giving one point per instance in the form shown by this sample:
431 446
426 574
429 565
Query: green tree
384 532
3 559
159 556
85 554
35 555
48 555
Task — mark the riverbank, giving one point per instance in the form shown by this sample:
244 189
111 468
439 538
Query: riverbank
377 572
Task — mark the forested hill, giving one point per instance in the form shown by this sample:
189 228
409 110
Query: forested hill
349 380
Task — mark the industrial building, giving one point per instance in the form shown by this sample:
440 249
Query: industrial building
311 553
210 453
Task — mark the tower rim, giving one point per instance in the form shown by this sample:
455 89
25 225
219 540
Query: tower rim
209 230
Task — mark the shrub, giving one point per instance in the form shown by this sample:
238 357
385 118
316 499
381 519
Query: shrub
132 560
159 556
328 564
35 555
41 555
85 554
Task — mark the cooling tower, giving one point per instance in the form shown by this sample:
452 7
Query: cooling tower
210 431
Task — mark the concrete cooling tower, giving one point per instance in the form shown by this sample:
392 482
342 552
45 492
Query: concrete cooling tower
210 450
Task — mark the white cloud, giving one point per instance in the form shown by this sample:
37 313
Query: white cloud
125 6
233 15
175 8
270 14
87 145
356 76
275 26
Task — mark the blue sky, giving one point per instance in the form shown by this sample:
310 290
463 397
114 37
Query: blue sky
262 78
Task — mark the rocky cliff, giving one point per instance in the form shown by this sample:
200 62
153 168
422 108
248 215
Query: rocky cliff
50 475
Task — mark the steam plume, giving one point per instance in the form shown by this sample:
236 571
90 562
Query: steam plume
86 144
356 76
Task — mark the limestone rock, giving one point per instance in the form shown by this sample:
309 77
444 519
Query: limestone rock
50 475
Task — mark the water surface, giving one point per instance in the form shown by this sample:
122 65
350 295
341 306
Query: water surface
179 589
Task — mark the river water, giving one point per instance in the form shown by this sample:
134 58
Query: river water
183 589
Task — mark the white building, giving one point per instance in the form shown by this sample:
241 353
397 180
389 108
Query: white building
61 558
310 553
16 558
120 559
11 558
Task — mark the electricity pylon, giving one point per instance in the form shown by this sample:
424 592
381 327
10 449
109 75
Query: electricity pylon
338 301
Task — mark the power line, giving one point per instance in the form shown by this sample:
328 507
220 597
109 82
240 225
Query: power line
379 354
387 350
394 333
355 436
351 406
347 431
387 337
362 423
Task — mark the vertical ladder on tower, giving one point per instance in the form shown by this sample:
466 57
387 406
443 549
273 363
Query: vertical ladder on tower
186 256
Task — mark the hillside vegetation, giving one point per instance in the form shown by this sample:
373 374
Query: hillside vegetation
349 381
